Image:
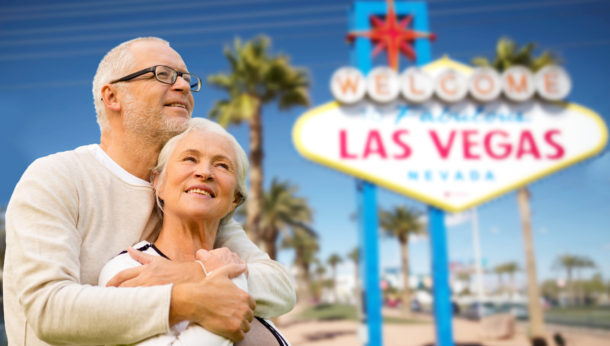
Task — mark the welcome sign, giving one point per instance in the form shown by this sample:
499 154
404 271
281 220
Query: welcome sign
453 155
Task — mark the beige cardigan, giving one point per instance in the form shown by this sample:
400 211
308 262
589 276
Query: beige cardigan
70 213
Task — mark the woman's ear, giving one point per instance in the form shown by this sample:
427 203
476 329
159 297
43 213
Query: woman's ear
109 96
237 199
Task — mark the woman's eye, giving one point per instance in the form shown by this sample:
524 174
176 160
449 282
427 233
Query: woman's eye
222 165
189 158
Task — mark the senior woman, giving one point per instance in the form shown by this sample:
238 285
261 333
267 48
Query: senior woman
199 180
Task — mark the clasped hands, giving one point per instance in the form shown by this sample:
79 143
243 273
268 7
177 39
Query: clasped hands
212 301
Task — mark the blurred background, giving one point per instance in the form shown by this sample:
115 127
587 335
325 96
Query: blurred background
49 51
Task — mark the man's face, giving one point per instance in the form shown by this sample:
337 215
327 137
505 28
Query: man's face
152 109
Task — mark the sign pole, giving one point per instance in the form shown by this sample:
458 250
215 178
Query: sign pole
369 259
440 277
367 206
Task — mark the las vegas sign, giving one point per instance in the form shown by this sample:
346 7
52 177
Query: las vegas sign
448 134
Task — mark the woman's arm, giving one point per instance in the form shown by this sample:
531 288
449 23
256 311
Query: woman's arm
268 281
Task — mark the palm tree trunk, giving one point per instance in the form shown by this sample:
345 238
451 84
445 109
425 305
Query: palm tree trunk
270 247
357 291
571 287
536 317
406 292
303 291
335 284
255 199
500 283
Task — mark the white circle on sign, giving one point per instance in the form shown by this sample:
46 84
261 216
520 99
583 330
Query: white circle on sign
416 85
383 84
451 85
485 84
518 83
553 83
348 85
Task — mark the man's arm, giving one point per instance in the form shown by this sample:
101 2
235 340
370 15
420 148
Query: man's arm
268 281
44 269
212 301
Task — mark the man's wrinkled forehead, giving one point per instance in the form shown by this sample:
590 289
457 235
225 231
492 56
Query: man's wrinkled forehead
151 53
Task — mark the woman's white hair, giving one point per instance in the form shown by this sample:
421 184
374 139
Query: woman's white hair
205 125
117 62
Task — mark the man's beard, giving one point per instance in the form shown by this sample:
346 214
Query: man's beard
150 124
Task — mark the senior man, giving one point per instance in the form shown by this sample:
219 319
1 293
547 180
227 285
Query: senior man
73 211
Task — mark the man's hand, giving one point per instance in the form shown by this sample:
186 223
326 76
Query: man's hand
216 258
215 303
156 270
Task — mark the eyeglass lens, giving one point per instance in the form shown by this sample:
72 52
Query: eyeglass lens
168 75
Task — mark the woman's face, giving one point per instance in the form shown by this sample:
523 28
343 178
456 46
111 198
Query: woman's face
201 178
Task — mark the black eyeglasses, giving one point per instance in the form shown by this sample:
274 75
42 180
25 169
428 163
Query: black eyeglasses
165 74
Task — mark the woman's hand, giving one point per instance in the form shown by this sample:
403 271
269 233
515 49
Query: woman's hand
215 303
156 270
218 258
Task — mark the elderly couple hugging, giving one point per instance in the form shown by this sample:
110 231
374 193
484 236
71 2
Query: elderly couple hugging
190 275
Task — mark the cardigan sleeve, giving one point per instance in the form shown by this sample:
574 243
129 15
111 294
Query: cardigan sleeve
269 283
43 250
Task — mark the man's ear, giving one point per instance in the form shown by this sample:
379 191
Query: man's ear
156 181
109 96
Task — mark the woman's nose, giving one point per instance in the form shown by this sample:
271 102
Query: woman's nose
203 172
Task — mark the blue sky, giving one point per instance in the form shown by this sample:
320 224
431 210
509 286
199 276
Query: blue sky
49 52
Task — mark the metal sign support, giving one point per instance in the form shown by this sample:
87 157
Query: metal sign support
440 277
360 56
369 260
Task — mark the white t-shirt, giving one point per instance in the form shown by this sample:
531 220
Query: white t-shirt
183 333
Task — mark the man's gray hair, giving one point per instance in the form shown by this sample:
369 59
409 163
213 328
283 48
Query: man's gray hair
205 125
117 62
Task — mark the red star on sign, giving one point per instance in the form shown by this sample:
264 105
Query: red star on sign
392 36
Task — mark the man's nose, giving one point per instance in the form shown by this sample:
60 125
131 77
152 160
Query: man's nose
182 85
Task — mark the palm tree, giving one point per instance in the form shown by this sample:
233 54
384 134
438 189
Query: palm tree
317 285
401 223
508 54
499 271
569 263
282 210
320 270
334 260
256 78
509 268
354 255
305 245
584 263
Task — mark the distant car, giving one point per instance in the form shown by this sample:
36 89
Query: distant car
455 308
473 312
393 302
416 306
515 309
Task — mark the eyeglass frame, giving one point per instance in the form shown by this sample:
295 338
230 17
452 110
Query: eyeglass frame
153 69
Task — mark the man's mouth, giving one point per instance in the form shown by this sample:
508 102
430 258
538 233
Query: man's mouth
176 105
